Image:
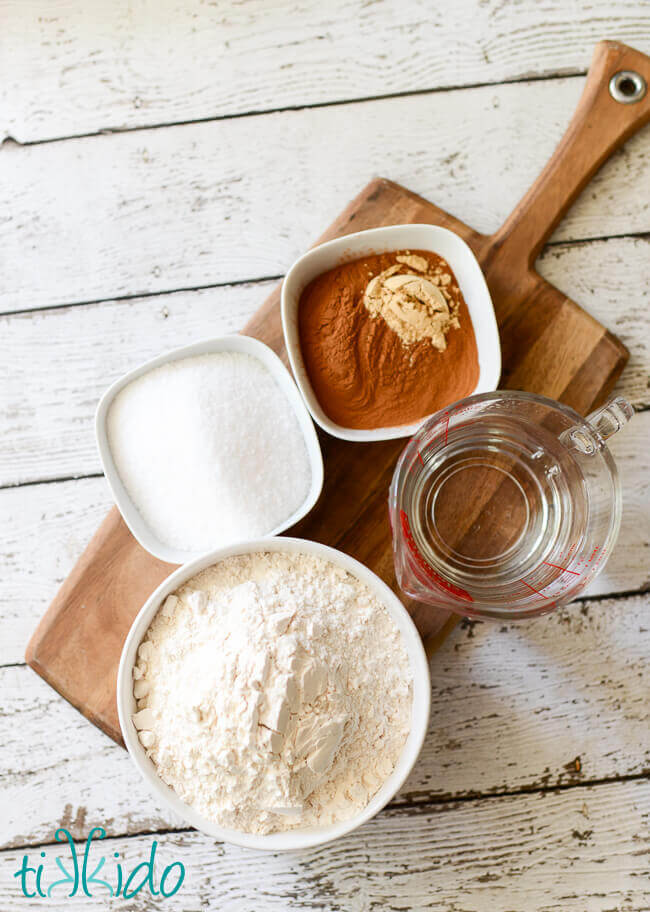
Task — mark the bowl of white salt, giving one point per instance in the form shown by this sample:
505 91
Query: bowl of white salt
207 445
274 694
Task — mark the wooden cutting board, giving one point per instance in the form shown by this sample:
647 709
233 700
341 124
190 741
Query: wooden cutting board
549 346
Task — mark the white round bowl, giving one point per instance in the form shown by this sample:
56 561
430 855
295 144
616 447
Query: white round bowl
233 343
299 838
438 240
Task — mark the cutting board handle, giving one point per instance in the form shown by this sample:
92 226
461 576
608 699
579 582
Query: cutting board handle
599 126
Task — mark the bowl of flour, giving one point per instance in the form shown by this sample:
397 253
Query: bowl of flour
275 694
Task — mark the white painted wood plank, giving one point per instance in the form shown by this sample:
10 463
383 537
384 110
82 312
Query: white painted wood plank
238 199
574 687
68 70
54 365
77 352
60 770
583 850
45 528
629 566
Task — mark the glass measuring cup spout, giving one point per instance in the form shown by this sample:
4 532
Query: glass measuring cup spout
588 437
506 504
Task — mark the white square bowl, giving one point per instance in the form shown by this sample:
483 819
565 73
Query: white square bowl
304 838
233 343
438 240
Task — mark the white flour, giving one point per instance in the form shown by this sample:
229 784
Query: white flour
274 691
209 450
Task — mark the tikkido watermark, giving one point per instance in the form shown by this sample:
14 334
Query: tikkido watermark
81 875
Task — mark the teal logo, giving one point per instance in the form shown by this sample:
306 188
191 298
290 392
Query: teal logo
83 877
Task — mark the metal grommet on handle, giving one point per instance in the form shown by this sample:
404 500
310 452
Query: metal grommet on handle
627 86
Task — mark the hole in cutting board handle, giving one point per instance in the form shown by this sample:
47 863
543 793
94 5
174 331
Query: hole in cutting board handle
627 87
617 74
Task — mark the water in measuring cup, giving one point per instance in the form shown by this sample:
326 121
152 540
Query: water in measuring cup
498 508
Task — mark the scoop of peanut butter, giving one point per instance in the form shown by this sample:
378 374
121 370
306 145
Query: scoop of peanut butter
411 302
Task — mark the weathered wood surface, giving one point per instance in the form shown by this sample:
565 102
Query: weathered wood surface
130 65
549 346
576 850
575 686
208 203
55 364
164 209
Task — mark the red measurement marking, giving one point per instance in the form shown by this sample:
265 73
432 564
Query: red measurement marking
413 462
420 458
533 588
593 554
430 573
448 417
557 567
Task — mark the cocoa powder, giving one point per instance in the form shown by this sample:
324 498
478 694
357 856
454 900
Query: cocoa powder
362 373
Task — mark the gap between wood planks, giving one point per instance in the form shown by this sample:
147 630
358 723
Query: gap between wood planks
580 600
259 280
60 479
405 808
413 93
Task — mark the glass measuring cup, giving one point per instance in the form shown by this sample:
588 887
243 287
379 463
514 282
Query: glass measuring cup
506 504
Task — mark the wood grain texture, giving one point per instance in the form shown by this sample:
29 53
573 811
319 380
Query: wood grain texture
350 515
549 346
575 686
75 69
55 522
95 231
599 126
86 348
130 65
70 71
104 591
585 849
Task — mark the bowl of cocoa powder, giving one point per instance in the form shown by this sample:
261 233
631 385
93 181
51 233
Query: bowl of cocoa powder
387 326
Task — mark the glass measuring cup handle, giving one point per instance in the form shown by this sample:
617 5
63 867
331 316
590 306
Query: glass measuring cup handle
604 423
611 417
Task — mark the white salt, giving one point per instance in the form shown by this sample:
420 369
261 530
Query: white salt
210 450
